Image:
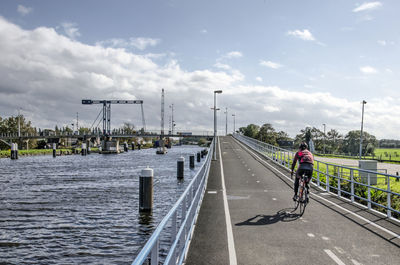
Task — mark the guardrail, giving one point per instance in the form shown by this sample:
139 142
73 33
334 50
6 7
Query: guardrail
176 227
365 187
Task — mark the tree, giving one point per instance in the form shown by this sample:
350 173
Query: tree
267 134
334 141
10 126
351 143
128 128
251 130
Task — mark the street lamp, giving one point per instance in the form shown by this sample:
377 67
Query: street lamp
362 123
234 125
324 136
215 122
226 121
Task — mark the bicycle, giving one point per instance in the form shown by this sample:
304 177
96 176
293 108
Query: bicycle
302 198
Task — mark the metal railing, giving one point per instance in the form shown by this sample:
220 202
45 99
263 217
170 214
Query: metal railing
366 187
176 227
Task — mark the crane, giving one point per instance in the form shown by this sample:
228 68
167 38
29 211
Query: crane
107 111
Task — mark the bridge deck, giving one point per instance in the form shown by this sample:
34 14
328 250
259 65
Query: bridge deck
264 230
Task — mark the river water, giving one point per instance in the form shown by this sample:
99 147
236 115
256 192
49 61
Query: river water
76 210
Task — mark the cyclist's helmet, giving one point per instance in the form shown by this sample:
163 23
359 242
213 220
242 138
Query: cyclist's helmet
303 146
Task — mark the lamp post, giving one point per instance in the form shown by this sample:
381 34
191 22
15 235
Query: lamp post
215 122
226 121
324 136
234 121
19 123
362 123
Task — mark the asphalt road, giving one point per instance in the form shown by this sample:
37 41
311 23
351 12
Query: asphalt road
259 213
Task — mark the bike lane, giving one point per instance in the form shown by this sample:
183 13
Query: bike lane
267 232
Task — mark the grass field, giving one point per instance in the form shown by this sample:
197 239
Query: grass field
388 153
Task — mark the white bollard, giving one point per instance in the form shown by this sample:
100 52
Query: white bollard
146 190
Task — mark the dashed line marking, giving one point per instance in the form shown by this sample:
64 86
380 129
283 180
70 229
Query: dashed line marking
334 257
310 235
355 262
212 192
274 199
325 238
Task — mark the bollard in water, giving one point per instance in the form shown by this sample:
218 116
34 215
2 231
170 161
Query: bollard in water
54 150
133 146
180 167
83 151
198 157
138 146
12 154
146 190
88 149
191 161
126 147
202 153
16 151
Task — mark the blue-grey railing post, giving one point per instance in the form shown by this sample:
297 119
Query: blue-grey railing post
369 191
339 182
352 184
184 208
318 173
327 178
154 253
389 207
173 227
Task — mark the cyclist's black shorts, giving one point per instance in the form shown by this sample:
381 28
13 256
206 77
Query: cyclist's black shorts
306 172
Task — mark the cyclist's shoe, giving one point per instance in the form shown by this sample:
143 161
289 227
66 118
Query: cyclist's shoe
295 197
308 191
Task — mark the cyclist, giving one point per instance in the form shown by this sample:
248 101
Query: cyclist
306 162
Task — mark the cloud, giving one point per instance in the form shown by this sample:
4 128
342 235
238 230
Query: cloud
368 6
51 80
368 70
304 35
71 30
140 43
259 79
23 10
382 42
204 31
270 64
233 54
222 66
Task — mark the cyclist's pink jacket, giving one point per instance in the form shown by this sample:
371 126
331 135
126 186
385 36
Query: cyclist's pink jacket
305 157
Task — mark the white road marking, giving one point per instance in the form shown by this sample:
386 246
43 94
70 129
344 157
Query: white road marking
231 242
325 238
340 250
310 235
265 190
334 204
252 175
324 194
212 192
249 169
274 199
334 257
355 262
258 181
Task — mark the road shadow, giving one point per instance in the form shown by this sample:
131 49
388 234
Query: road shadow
284 215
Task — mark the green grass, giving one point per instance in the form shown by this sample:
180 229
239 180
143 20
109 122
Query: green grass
388 153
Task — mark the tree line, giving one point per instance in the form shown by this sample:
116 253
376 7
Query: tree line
332 142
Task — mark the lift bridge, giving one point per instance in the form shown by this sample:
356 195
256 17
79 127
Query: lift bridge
107 111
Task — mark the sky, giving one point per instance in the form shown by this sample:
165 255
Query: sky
288 63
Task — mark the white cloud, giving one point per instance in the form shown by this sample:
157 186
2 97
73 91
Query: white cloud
259 79
233 54
304 35
367 6
51 80
270 64
222 66
140 43
368 70
382 42
23 10
204 31
143 43
71 30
